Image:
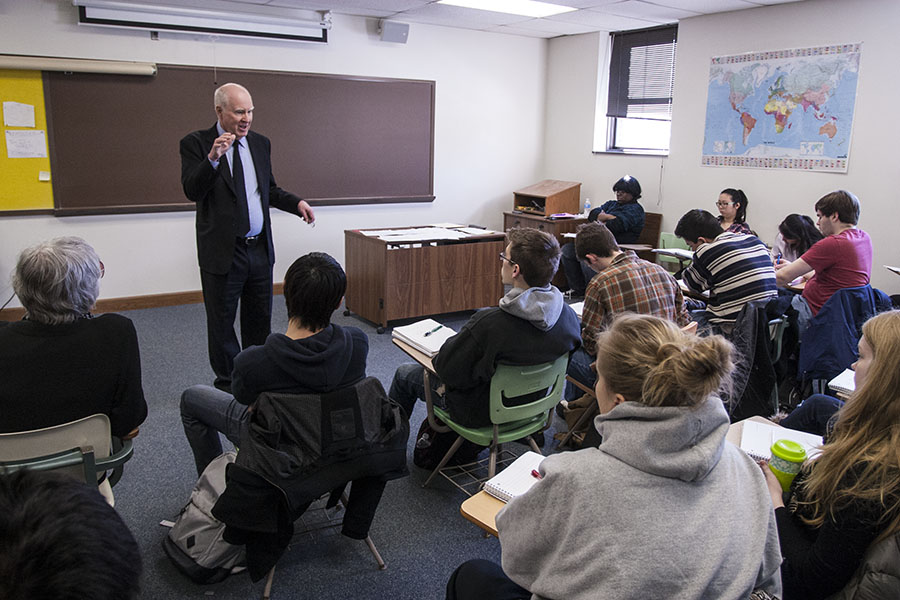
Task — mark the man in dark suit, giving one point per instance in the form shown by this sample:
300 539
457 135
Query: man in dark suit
226 170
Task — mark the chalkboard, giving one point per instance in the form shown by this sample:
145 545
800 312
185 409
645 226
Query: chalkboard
335 139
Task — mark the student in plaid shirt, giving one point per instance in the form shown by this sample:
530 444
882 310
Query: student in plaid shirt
623 283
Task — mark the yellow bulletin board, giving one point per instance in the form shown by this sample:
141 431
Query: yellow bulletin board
21 188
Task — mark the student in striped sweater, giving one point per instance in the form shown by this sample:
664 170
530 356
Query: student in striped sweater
736 269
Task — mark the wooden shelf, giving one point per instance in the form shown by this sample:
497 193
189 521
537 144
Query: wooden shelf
549 197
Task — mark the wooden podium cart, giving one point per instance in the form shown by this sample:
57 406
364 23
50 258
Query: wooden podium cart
387 281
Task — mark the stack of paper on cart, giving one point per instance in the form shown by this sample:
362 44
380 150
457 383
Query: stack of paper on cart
426 336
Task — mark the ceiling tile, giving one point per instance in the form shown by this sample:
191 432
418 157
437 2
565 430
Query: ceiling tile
646 10
706 6
453 15
602 21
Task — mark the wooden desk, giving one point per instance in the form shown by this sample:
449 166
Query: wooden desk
482 509
398 280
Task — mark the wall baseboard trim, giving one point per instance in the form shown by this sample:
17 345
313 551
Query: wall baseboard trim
108 305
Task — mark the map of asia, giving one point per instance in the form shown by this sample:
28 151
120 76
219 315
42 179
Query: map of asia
785 109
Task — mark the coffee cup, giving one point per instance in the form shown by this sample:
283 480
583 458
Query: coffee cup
787 458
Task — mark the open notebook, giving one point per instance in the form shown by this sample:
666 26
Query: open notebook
757 439
426 336
843 383
516 479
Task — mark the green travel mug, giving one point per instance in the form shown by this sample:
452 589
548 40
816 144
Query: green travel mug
787 457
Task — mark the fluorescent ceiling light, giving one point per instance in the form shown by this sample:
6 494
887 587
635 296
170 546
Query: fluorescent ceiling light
528 8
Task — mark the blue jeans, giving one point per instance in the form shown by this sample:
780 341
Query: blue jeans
206 412
814 414
580 370
578 273
409 385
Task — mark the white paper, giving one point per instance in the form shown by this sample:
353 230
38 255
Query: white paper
16 114
426 336
477 231
757 439
845 382
43 175
676 252
578 307
26 144
446 225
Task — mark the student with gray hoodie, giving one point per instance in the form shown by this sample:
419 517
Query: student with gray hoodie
663 508
531 325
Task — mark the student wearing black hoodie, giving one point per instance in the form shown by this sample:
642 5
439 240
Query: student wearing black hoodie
313 356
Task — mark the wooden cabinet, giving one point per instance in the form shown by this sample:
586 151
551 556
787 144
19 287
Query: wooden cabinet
387 281
549 197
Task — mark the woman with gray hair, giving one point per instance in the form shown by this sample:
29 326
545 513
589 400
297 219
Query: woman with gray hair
60 363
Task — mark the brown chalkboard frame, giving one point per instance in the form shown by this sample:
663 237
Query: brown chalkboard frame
336 139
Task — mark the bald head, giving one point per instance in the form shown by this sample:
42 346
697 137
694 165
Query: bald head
234 108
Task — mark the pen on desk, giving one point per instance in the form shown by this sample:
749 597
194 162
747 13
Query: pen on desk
427 333
536 474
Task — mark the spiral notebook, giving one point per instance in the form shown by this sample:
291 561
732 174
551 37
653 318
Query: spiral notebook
757 439
516 479
426 336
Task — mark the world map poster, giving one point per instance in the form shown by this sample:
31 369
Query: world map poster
784 109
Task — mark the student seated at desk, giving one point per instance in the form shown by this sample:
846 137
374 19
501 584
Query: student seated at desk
796 235
624 283
624 216
849 497
532 325
663 508
314 356
60 363
734 267
732 205
842 259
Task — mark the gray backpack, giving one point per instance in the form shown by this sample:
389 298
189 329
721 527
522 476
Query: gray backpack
195 541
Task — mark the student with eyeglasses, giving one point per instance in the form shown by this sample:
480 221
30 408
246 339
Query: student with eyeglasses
732 205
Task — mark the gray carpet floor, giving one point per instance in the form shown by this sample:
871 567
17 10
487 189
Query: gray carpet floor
419 532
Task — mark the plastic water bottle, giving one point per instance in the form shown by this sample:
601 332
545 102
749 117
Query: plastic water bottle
587 206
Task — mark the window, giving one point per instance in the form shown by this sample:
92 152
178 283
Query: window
641 78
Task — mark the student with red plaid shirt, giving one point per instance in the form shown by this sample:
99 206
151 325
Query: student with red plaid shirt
623 283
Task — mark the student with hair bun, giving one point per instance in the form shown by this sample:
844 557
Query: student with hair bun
663 508
732 205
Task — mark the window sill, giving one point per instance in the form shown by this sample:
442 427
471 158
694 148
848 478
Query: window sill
661 153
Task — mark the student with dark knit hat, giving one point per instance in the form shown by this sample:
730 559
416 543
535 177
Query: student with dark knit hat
624 217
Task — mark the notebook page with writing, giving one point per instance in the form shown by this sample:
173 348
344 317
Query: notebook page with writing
516 479
757 439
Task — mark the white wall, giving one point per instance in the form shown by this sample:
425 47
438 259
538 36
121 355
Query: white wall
489 119
678 183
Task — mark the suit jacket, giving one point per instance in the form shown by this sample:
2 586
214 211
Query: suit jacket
213 192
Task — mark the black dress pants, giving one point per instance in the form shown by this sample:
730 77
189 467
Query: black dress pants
248 282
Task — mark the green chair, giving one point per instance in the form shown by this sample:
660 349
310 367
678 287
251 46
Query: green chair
668 241
508 423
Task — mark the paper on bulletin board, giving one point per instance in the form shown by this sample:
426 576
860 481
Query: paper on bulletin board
17 114
26 144
26 181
